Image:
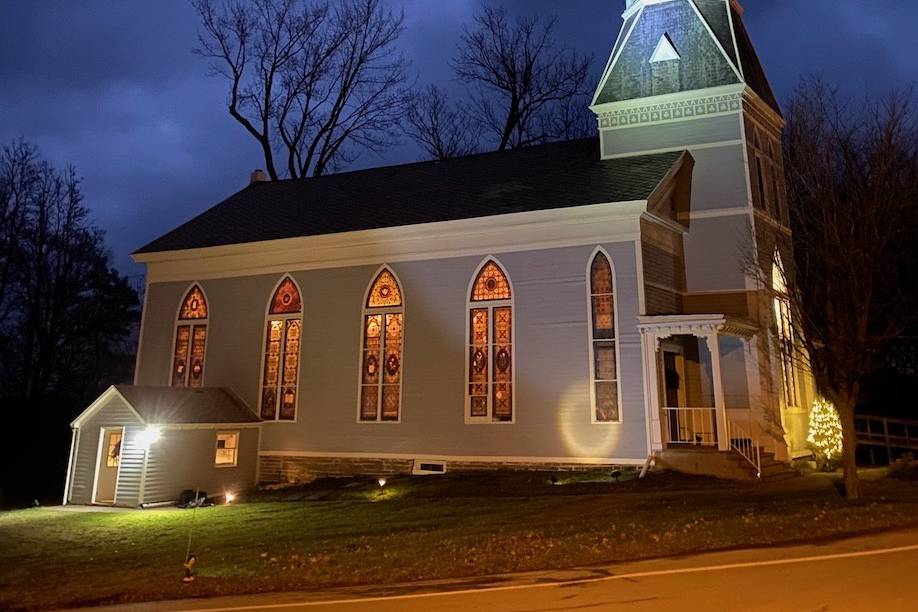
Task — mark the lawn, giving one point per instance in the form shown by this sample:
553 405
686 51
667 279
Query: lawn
351 532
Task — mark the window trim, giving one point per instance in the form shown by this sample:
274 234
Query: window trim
301 315
618 356
381 310
490 305
192 323
238 434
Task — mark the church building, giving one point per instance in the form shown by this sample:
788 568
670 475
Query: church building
582 303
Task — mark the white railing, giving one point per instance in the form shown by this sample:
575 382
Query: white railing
690 426
745 443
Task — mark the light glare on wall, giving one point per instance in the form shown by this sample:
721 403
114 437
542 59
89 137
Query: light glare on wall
149 436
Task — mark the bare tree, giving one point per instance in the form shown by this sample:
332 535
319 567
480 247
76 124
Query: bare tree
852 179
18 175
444 130
519 78
314 85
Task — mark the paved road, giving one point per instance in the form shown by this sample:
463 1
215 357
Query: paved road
868 573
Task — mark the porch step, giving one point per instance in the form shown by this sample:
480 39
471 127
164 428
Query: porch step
729 465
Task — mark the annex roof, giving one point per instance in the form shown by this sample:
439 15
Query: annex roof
183 406
550 176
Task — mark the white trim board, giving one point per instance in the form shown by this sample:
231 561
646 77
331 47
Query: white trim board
461 458
526 231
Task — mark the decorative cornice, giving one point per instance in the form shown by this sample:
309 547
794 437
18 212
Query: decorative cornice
669 110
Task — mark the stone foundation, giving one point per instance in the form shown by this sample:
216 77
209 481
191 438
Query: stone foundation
300 470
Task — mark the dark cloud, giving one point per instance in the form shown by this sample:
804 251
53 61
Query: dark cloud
113 88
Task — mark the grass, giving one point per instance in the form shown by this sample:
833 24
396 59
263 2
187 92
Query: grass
354 532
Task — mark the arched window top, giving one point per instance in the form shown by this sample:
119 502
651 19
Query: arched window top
491 284
385 291
286 299
600 275
194 306
778 280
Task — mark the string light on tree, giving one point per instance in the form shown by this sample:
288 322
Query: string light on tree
825 435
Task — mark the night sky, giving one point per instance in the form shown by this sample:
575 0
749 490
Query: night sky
113 88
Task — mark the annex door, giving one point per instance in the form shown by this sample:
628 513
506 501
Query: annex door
107 465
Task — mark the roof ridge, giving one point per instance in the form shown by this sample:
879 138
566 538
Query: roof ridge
432 162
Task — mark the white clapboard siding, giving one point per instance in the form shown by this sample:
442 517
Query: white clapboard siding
113 413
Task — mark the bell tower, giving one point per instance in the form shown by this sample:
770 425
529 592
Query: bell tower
683 75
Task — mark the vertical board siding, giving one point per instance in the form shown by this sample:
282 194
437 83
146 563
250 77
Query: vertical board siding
130 474
114 413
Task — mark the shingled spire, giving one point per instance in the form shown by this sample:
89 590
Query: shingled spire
704 43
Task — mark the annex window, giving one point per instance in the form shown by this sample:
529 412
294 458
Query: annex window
190 340
785 332
383 328
227 449
603 350
281 361
490 347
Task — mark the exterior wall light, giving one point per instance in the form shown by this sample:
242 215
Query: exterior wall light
149 436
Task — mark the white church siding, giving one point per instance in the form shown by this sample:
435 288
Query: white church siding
553 412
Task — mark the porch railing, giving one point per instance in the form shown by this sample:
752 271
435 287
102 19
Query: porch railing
691 426
745 443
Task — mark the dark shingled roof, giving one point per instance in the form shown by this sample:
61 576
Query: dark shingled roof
753 72
702 65
556 175
179 405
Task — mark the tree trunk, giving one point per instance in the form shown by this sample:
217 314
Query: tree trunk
845 407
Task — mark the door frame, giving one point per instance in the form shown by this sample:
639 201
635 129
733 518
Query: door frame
95 479
678 351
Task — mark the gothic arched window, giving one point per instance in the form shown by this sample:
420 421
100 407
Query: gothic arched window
603 349
190 340
785 330
383 324
490 346
281 361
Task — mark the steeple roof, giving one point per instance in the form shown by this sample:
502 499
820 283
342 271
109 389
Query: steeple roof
713 45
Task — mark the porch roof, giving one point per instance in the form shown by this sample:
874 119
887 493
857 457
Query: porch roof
664 326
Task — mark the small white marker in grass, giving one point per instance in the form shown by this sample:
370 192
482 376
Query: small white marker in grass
382 482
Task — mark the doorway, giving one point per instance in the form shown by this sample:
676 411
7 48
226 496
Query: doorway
107 465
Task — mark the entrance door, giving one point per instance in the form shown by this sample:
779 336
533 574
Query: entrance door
107 465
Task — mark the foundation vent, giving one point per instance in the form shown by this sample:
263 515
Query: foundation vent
424 467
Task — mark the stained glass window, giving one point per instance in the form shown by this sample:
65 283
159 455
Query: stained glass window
286 299
603 342
281 365
491 284
194 305
381 356
385 291
190 341
490 346
785 329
